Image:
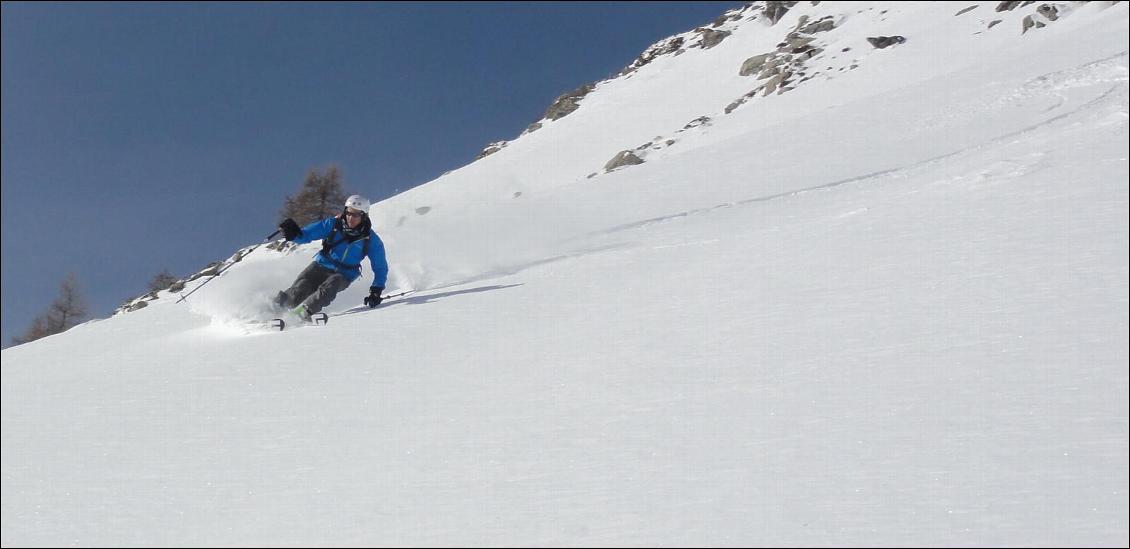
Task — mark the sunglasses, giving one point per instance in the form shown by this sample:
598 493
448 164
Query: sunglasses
354 214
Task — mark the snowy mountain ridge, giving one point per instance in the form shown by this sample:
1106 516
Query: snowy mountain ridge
796 44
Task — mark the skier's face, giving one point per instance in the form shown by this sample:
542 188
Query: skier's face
353 217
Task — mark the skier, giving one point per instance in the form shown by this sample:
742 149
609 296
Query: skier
346 240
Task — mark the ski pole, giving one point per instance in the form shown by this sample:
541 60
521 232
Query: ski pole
397 295
221 271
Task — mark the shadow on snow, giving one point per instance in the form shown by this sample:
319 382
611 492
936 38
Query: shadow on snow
422 299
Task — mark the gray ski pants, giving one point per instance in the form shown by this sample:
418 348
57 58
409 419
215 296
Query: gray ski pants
316 287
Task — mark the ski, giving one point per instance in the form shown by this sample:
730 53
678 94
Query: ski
317 319
321 319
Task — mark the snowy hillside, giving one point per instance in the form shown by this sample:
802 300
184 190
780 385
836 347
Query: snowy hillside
859 296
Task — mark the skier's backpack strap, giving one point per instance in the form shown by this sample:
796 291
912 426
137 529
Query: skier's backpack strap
328 244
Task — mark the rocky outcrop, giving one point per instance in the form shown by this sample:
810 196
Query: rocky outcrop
664 47
732 15
697 122
212 269
281 246
622 158
707 37
881 42
1011 5
639 154
754 64
780 69
491 149
1046 12
1038 19
564 105
1028 23
567 102
774 11
711 37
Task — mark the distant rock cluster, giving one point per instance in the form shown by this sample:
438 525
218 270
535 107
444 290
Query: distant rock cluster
637 155
702 37
212 269
780 70
775 72
1040 17
491 149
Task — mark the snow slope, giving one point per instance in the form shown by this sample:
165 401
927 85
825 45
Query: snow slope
885 308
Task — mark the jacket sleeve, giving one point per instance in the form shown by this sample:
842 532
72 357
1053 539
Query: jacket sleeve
377 261
315 231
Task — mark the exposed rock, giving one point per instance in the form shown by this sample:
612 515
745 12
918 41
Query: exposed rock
823 24
966 10
210 270
741 100
623 158
711 37
733 15
1010 5
281 246
491 149
136 306
881 42
567 102
779 69
795 43
662 48
753 64
423 210
1030 22
1048 11
776 10
700 121
772 84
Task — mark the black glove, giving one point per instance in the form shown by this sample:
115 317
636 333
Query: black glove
290 229
374 298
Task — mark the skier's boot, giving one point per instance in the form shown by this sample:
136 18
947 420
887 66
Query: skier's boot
301 312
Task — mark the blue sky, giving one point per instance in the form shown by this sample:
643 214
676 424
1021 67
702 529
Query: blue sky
146 136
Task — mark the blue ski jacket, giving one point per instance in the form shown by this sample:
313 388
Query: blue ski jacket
345 256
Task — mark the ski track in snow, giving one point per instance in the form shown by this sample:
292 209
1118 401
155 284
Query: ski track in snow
892 172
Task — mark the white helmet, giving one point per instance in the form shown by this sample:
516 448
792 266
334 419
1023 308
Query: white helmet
357 202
